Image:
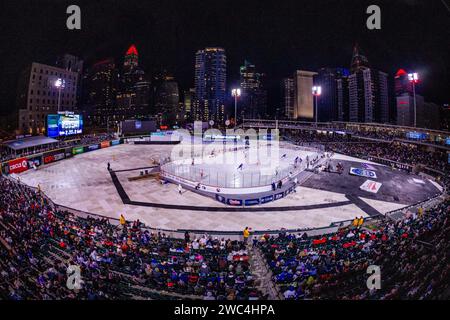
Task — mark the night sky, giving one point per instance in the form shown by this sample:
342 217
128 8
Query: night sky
278 36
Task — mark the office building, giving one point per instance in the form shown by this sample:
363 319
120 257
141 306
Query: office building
210 84
39 96
303 98
288 97
331 102
368 91
253 100
99 90
167 100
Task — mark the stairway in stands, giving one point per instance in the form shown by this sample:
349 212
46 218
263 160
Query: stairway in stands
262 274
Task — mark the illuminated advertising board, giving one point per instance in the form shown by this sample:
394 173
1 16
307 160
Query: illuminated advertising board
93 147
416 135
104 144
77 150
52 157
60 125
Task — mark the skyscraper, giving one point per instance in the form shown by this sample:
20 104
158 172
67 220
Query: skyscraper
297 96
359 61
342 98
288 97
368 91
131 60
303 98
253 101
402 83
73 63
133 95
189 96
70 62
167 100
404 99
100 86
210 84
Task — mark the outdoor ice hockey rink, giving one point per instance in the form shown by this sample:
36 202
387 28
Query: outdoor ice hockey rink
84 183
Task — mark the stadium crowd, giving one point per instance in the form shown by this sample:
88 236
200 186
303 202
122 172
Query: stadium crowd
413 255
407 153
38 243
127 261
377 133
394 151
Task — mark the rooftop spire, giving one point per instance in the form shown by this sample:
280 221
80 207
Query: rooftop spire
132 50
358 59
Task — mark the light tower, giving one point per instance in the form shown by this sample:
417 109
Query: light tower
60 84
316 91
414 78
235 93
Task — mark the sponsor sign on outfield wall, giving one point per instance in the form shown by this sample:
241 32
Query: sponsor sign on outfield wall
77 150
104 144
37 161
92 147
49 158
18 165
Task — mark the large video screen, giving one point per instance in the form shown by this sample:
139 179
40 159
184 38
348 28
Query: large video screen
59 125
138 126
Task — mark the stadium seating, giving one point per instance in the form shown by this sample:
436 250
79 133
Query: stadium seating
39 243
413 254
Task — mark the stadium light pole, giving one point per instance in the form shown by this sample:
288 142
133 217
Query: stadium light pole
414 78
316 91
59 83
235 93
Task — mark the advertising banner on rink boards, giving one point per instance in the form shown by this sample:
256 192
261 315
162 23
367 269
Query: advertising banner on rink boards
234 202
220 198
251 202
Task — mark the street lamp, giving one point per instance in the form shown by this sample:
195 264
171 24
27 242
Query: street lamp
316 91
59 83
414 78
235 93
